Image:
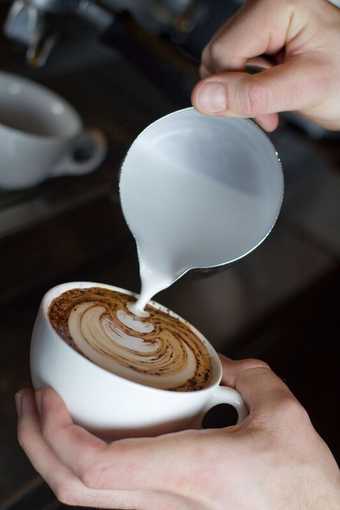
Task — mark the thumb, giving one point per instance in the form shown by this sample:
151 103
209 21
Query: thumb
262 390
294 85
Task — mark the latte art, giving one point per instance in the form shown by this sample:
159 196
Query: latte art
157 350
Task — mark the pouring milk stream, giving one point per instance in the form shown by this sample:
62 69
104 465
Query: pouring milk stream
197 192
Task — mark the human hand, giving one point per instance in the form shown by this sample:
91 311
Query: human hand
274 460
301 37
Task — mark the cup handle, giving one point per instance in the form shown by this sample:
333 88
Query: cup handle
226 395
85 154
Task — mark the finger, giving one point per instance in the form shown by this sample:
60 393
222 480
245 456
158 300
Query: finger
255 29
121 465
204 72
255 65
252 66
295 85
268 122
73 445
260 387
140 467
30 439
64 484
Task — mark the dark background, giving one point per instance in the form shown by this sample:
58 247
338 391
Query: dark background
279 304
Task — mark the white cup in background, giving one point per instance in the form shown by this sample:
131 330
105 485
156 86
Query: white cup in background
109 405
40 133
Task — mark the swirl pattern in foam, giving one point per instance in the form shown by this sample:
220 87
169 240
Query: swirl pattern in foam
158 350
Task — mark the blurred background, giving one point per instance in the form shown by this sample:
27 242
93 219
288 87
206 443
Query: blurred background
122 64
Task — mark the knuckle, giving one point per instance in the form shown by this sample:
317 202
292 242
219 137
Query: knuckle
205 55
215 51
91 467
255 100
255 363
290 410
212 53
92 476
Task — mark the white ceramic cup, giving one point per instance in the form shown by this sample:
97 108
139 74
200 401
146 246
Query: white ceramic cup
39 135
109 405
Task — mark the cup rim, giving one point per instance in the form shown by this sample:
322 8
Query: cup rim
57 290
247 121
53 95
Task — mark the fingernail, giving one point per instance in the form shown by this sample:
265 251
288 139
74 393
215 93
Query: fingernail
212 97
38 400
18 402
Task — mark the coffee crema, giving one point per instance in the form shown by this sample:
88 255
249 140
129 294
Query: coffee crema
158 350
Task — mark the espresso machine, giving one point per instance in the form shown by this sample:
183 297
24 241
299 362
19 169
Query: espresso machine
31 21
39 25
161 38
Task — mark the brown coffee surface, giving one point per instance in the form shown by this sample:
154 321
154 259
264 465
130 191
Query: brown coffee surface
158 350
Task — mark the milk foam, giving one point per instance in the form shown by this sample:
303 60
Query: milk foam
134 323
101 340
153 282
158 351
